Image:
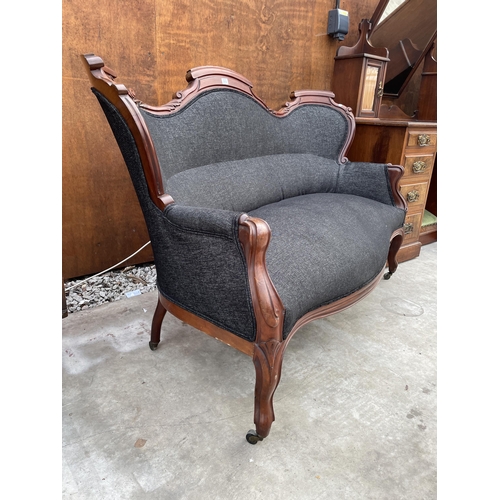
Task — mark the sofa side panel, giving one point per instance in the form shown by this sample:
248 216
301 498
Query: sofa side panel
206 274
369 180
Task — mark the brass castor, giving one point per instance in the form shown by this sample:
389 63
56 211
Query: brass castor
253 437
153 345
387 275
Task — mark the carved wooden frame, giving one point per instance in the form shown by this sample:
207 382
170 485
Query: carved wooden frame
254 234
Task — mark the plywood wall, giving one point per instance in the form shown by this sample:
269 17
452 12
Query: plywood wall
280 45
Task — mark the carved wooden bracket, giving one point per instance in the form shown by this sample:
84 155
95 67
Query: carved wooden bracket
299 97
204 78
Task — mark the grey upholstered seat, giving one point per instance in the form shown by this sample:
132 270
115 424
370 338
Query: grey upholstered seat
325 246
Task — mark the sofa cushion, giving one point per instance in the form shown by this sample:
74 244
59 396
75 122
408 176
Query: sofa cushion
324 247
245 185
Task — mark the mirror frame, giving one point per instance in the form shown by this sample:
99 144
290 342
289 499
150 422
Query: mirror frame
377 14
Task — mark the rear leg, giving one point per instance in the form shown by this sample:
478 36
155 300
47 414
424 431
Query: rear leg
156 325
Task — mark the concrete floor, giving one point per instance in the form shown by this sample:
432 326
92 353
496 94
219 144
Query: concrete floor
355 409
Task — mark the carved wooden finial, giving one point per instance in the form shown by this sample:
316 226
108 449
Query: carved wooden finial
363 46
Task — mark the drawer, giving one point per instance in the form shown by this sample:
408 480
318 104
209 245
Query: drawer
415 194
422 139
418 165
411 228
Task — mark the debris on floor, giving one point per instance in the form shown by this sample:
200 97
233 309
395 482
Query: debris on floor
86 292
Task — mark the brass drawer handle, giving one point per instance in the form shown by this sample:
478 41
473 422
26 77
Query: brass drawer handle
419 167
413 196
424 140
408 227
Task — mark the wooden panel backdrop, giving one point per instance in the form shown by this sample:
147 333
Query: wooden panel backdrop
279 45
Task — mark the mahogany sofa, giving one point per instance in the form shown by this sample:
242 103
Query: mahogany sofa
258 222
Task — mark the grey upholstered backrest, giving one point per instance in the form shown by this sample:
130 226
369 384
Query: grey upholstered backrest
224 125
244 185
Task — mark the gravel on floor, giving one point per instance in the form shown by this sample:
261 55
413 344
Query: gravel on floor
86 292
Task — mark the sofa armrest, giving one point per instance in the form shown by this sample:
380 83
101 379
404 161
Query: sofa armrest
376 181
217 222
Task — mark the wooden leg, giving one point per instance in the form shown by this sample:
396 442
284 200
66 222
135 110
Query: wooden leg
268 359
64 304
156 325
396 242
255 235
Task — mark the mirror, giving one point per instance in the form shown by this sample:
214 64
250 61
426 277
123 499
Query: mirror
407 28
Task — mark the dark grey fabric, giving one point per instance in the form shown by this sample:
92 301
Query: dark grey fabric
225 125
245 185
324 247
369 180
204 269
200 265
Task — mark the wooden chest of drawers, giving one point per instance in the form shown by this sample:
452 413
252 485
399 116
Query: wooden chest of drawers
413 145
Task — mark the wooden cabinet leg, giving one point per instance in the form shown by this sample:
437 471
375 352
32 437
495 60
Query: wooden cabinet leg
156 325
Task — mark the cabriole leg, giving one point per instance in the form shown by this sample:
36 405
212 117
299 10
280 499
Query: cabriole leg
268 359
156 325
393 250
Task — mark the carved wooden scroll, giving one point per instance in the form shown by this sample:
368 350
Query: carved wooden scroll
205 78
